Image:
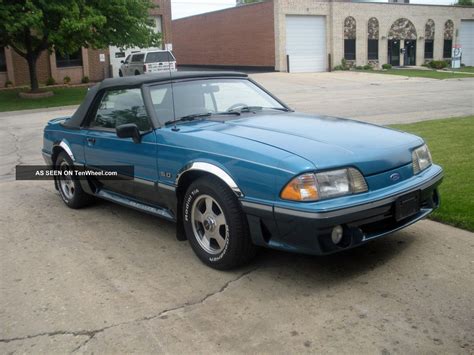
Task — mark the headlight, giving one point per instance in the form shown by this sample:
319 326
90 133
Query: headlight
421 159
327 184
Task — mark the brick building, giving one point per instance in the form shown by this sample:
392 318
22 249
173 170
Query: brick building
95 64
310 35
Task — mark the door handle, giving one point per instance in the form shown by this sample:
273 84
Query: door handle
90 140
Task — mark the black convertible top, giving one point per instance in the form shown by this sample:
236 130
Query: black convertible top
135 81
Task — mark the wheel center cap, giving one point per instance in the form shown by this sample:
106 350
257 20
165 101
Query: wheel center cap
209 223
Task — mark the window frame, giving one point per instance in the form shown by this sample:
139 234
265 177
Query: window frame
92 113
369 52
427 41
355 47
69 63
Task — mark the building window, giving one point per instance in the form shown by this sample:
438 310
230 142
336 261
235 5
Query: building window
159 24
3 62
350 38
429 49
69 60
448 43
350 49
373 49
373 39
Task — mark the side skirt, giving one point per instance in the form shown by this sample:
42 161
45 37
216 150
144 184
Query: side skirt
124 201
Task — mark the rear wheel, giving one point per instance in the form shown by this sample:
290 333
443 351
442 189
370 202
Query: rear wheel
69 186
215 224
120 73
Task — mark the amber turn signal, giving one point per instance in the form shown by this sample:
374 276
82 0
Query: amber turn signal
301 188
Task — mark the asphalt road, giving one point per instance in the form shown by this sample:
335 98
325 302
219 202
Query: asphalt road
107 279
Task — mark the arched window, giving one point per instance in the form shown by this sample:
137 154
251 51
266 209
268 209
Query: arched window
373 39
448 38
350 38
402 29
429 38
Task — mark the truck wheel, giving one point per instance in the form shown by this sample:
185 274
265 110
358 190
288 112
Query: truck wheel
215 224
69 186
120 73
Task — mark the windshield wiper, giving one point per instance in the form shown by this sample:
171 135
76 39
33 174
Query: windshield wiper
258 108
194 116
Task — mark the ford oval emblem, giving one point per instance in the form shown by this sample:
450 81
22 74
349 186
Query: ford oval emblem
395 177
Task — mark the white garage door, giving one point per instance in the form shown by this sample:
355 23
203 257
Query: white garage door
306 43
467 42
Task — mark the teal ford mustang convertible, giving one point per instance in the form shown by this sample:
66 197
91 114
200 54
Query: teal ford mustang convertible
235 168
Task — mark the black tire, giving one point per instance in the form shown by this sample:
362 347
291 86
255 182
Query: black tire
73 196
120 73
238 248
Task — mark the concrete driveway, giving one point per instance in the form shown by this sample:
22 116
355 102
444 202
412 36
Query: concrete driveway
375 98
107 279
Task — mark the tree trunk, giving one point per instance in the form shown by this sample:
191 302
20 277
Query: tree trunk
31 59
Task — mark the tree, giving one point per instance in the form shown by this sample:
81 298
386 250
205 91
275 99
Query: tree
465 3
31 26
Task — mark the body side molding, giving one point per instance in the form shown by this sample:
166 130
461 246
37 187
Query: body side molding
214 170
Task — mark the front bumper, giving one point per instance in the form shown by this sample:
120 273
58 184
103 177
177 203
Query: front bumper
47 158
309 232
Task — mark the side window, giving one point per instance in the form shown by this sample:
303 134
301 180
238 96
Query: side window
127 60
138 58
120 107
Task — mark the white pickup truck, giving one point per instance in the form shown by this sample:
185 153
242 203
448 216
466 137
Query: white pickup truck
148 62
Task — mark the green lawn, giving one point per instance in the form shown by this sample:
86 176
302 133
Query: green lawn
451 144
466 69
10 101
432 74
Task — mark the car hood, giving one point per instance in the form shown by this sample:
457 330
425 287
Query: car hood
327 142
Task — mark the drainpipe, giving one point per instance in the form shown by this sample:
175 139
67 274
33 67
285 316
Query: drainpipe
331 40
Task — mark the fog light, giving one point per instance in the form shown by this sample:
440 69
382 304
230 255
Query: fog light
336 234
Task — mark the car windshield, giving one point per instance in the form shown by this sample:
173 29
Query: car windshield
210 96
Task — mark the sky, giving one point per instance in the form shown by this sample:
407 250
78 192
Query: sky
184 8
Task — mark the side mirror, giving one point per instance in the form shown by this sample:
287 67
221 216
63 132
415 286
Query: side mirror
129 130
122 62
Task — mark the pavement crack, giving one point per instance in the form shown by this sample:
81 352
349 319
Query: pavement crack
200 301
16 151
90 334
54 333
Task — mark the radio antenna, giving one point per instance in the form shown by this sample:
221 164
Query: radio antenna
168 53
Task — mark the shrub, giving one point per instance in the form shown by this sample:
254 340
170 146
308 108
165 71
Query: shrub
367 67
358 67
67 80
387 66
8 84
50 81
85 80
338 67
344 65
438 64
426 65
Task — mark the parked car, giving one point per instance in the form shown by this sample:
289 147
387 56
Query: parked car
236 168
148 62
